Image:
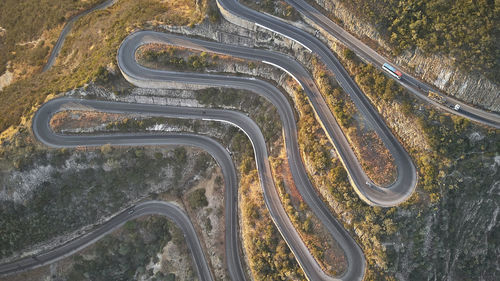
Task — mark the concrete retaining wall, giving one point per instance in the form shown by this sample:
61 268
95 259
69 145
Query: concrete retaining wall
234 19
155 84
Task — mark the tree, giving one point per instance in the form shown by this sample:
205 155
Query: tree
197 199
349 54
106 149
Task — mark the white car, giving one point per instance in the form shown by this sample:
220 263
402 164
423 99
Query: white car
456 107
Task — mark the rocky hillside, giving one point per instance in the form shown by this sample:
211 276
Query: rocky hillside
446 73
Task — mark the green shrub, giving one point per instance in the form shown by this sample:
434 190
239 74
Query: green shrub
465 30
349 54
197 199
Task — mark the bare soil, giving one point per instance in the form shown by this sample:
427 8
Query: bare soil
210 223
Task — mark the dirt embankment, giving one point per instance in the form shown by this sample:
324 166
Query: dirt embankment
79 120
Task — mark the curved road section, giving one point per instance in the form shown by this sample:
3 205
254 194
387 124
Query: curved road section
43 132
158 78
171 211
388 196
45 135
414 85
406 181
67 28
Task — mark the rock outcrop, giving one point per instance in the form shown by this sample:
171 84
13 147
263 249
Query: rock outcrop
437 70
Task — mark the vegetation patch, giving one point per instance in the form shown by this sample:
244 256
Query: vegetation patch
29 29
79 119
174 57
91 48
133 248
331 180
268 254
197 199
167 57
278 8
468 31
69 189
373 155
457 174
318 240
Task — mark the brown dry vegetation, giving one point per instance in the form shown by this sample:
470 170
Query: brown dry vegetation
330 178
175 58
261 237
31 29
371 152
91 45
77 119
279 8
377 162
320 243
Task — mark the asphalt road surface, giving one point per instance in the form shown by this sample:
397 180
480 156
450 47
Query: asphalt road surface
45 135
414 85
156 78
310 266
66 29
382 196
406 181
387 196
170 210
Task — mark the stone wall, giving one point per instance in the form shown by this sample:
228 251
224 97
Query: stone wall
234 19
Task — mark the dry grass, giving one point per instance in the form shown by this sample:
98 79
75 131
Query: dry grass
92 43
320 243
267 253
186 11
213 62
376 160
371 152
77 119
30 28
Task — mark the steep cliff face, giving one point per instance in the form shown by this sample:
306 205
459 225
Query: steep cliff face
458 240
437 70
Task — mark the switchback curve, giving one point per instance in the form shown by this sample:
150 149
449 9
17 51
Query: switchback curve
169 210
145 77
388 196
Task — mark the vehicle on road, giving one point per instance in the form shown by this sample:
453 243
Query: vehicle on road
436 97
392 71
442 100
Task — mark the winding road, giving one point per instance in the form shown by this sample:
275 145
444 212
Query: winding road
140 76
137 74
169 210
67 28
415 86
406 180
390 195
